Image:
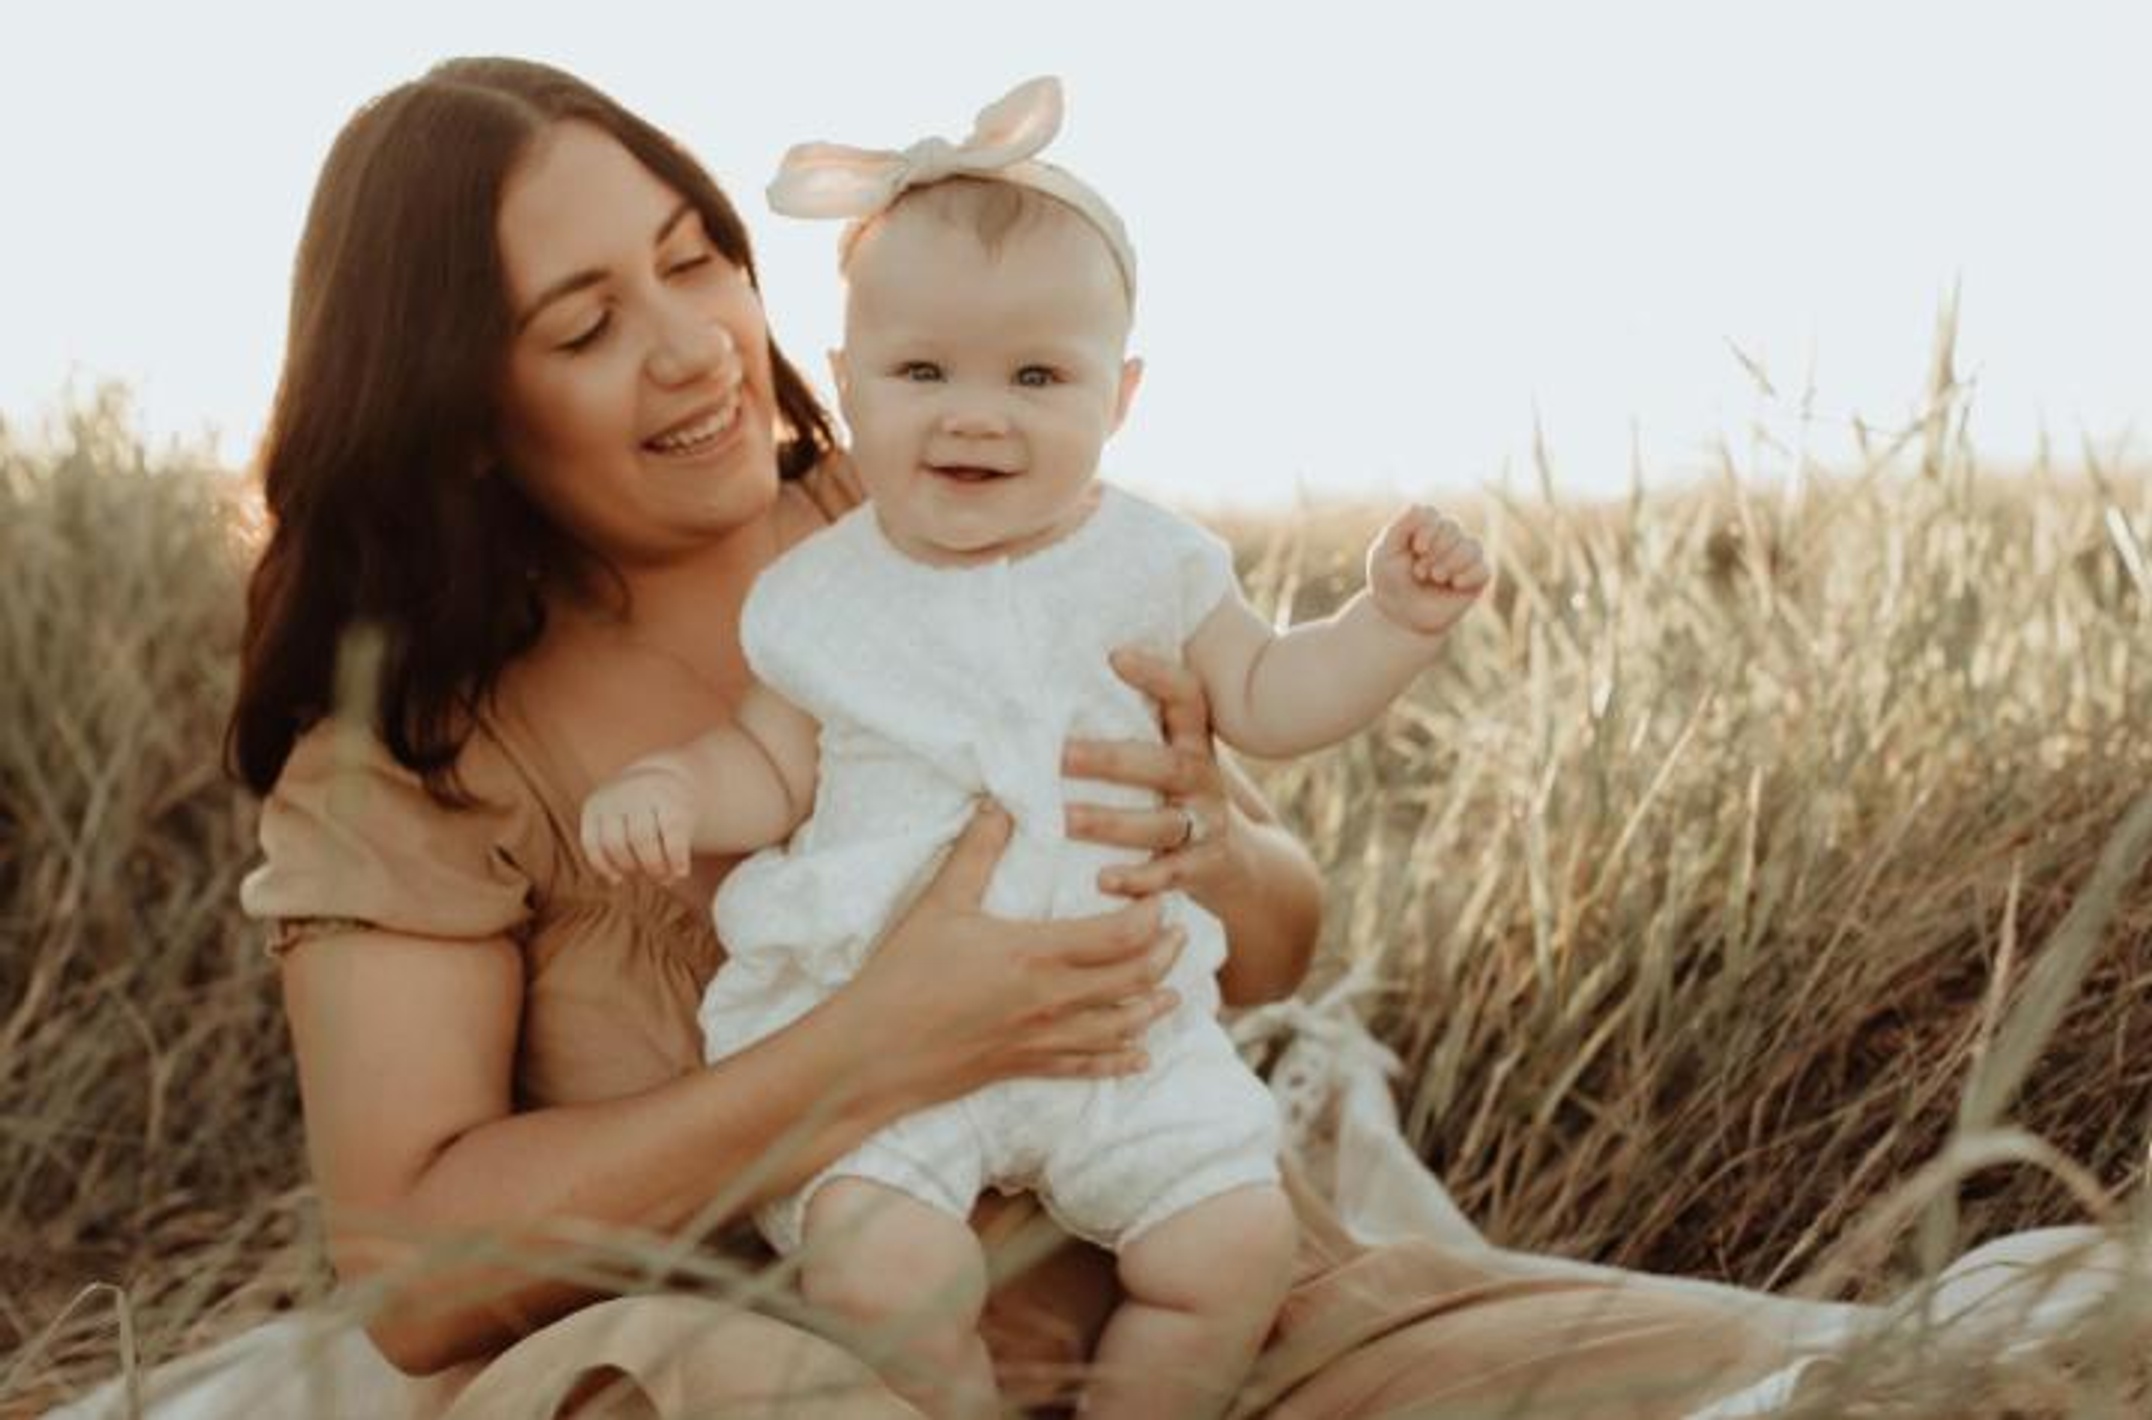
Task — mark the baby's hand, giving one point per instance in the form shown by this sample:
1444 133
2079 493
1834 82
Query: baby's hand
641 821
1424 571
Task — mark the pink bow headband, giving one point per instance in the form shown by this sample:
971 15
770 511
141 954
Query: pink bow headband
832 180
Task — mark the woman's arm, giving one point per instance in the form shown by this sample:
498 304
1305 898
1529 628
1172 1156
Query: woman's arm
406 1050
1269 895
1246 868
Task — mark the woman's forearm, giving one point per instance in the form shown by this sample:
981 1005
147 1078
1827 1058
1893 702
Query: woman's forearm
753 1126
705 1147
1270 900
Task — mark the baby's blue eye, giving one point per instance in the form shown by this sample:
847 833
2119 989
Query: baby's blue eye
919 371
1036 377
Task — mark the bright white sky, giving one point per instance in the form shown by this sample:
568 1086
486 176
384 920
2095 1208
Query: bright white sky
1375 237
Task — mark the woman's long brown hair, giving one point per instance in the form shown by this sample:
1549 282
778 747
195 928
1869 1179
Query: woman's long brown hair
385 416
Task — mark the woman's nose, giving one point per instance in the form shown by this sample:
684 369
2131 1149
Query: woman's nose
690 345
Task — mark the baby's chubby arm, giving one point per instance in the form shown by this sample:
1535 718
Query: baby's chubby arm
741 786
1281 694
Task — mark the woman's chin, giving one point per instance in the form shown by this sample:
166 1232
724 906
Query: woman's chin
740 491
687 520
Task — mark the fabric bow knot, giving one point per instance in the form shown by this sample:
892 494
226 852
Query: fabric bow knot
834 180
823 180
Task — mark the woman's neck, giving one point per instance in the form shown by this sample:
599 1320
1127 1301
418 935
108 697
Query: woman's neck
687 606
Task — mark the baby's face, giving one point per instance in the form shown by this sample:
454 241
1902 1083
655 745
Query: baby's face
978 387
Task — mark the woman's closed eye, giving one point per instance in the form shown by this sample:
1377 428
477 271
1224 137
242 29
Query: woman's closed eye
591 334
696 266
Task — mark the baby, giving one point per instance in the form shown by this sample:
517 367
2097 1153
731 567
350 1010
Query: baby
941 643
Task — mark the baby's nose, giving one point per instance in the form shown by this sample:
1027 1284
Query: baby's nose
974 420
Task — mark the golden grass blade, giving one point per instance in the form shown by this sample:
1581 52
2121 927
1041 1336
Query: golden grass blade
2053 981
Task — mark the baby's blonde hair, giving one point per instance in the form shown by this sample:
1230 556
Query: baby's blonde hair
990 211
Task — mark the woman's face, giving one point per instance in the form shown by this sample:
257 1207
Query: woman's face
638 410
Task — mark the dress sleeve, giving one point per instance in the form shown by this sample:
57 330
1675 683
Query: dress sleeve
350 838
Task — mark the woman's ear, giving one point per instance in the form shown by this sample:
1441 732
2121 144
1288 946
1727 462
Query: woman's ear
1131 376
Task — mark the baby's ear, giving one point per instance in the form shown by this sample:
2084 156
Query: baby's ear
1131 376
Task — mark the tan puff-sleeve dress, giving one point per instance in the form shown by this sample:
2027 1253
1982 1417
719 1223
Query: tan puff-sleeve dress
612 979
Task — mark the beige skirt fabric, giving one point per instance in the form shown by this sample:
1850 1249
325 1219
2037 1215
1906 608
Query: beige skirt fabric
1416 1328
1474 1341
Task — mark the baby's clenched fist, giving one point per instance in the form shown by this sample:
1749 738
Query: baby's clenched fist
1424 571
640 824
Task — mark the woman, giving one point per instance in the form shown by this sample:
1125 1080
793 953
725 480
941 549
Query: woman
531 445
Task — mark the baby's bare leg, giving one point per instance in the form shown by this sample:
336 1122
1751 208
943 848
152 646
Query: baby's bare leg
1203 1288
879 1257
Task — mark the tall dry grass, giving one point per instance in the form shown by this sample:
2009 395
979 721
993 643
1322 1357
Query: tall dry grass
1704 877
1721 879
148 1122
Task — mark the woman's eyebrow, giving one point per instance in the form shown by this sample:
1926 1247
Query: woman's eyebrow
581 280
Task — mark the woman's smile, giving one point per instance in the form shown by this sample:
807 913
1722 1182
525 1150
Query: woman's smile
710 428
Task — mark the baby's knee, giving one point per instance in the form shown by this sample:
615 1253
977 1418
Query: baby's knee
868 1287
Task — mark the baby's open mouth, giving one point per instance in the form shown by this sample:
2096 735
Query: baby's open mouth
969 473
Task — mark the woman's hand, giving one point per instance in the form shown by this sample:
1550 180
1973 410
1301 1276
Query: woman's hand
1193 835
964 999
1212 836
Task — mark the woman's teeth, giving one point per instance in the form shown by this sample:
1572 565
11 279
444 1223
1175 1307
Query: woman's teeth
700 435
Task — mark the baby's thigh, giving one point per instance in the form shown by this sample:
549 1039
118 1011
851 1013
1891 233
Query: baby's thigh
870 1251
1232 1252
